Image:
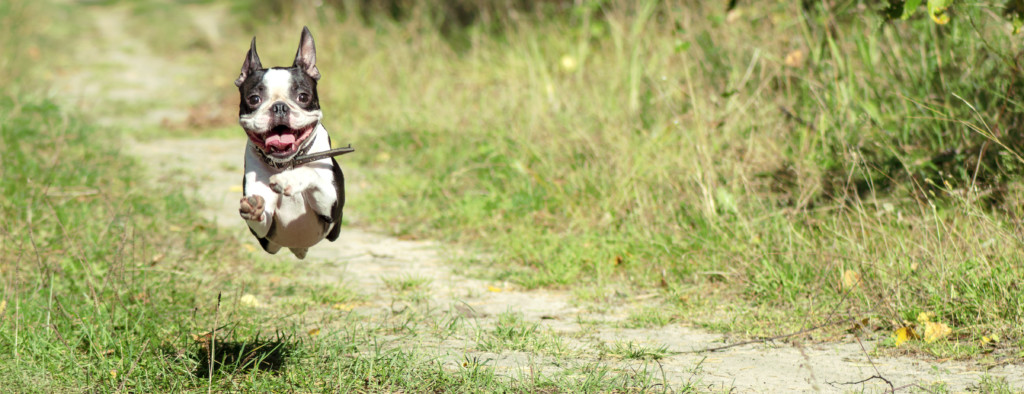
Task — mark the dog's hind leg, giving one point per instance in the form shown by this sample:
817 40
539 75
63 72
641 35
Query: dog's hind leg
299 252
268 246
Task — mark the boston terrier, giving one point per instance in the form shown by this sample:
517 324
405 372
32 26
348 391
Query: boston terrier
284 203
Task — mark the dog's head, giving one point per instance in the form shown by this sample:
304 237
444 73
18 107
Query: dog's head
280 108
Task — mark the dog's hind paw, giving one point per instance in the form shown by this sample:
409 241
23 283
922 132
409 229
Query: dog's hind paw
300 253
251 208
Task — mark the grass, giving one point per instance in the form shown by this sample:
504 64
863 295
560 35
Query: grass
513 332
635 147
409 287
632 351
98 295
113 284
737 165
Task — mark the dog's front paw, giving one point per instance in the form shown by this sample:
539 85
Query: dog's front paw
251 208
286 185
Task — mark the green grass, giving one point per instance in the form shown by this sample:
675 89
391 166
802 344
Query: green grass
678 150
651 316
512 332
113 284
408 287
632 351
616 149
100 295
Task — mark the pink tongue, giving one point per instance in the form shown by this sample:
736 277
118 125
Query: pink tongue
280 141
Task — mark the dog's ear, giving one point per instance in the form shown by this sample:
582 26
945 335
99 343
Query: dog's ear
305 57
251 64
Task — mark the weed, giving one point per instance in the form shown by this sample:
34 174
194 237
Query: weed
511 332
409 287
651 316
633 351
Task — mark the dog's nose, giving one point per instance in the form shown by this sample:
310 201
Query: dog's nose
279 108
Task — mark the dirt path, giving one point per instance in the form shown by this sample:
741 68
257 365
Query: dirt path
365 260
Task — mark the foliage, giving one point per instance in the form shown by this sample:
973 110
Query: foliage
639 146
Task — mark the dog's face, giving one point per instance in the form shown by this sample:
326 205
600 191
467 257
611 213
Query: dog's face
280 107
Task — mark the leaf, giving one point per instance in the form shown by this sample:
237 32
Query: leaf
493 289
937 10
314 332
795 58
935 331
909 7
202 337
250 300
343 307
990 339
851 279
925 317
904 334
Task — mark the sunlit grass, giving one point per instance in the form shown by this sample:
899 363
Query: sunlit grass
680 149
734 165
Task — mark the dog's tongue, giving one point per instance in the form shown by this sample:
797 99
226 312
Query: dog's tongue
280 141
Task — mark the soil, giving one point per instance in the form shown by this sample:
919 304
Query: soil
364 258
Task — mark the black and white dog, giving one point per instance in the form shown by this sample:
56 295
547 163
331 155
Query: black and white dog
287 205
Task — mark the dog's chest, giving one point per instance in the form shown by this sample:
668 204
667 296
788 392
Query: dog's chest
295 223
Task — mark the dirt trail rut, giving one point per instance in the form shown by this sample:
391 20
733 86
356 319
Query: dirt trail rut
364 259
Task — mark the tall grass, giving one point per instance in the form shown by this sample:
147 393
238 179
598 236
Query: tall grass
101 276
647 145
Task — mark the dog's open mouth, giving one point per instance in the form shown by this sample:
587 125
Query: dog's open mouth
282 141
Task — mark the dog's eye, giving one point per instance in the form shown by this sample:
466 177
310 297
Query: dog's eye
303 97
254 100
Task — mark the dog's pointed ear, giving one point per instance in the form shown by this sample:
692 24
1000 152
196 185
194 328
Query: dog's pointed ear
305 57
251 64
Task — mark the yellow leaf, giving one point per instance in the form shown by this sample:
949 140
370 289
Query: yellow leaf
937 10
794 59
343 307
250 300
3 306
904 334
851 279
113 373
990 339
248 247
935 331
314 332
236 188
925 317
493 289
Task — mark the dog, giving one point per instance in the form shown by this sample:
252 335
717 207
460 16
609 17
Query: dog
286 205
